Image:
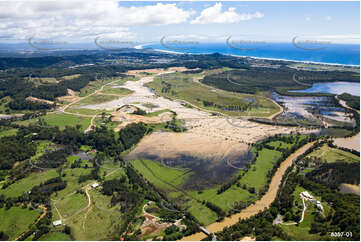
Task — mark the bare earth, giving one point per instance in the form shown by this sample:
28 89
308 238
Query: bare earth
70 97
126 118
208 138
349 188
207 135
35 99
155 71
350 143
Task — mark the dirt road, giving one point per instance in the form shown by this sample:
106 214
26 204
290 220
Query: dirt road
261 204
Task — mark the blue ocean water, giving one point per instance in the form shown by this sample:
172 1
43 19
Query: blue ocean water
345 54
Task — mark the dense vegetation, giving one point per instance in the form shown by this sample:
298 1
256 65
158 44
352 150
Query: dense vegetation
255 79
351 101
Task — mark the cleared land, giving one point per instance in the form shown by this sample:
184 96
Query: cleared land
16 220
350 143
61 120
328 154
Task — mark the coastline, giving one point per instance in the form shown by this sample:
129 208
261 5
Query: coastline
140 47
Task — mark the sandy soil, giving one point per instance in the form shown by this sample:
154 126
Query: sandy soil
143 95
349 188
156 71
127 118
209 138
35 99
70 97
247 238
261 204
173 145
350 143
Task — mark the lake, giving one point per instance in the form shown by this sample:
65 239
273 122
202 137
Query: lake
352 88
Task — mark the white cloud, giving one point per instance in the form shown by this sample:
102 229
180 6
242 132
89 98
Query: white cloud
82 19
214 14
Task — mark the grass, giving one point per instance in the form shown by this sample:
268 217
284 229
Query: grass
55 236
328 154
16 220
70 77
71 177
8 132
103 202
61 120
183 87
156 113
84 111
159 173
257 175
96 99
280 144
93 86
70 205
99 224
116 90
27 183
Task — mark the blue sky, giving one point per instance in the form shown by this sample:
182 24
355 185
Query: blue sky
82 21
281 20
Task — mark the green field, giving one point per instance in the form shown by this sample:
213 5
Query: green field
71 176
96 99
61 120
99 224
185 87
257 175
27 183
116 90
70 205
16 220
328 154
55 236
157 174
93 86
8 132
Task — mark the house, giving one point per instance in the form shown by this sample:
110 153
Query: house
319 205
95 185
91 152
307 195
57 222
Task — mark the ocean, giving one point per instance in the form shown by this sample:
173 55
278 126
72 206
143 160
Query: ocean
342 54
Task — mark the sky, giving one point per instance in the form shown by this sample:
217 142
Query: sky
146 21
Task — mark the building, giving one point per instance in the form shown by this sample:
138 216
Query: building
57 223
307 195
319 205
95 185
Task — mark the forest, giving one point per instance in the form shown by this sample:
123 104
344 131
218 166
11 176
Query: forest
256 79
